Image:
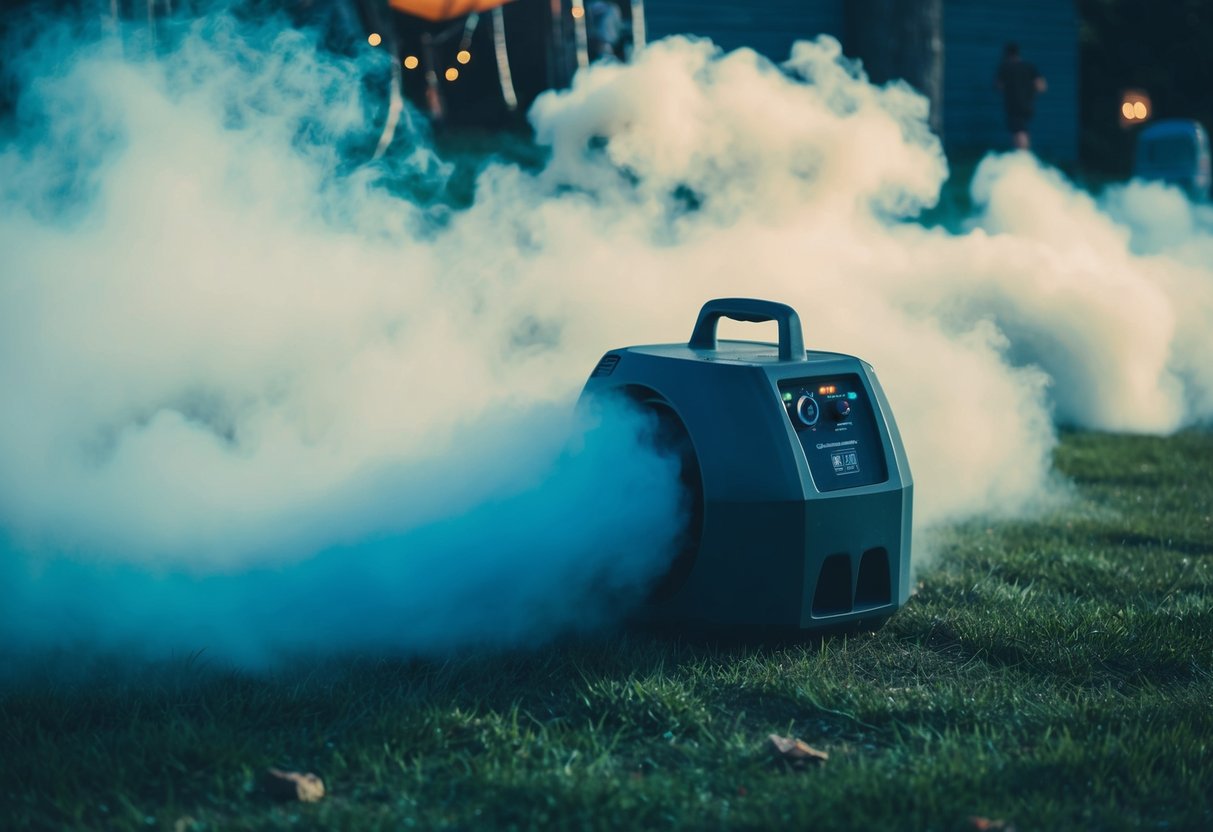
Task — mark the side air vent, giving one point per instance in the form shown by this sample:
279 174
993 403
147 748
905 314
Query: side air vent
606 366
873 588
833 595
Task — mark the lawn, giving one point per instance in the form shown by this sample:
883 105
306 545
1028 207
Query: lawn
1054 673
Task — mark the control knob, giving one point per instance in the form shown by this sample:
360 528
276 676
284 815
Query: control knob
807 410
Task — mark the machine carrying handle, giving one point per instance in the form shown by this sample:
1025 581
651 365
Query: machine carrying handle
791 336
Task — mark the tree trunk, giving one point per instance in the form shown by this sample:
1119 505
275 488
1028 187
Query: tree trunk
900 39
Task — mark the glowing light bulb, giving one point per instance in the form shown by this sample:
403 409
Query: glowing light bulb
411 62
464 56
452 74
1126 110
1139 109
577 12
373 39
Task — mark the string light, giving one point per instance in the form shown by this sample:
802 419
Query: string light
373 39
1134 107
577 12
411 62
464 56
452 74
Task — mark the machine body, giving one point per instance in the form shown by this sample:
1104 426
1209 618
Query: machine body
798 486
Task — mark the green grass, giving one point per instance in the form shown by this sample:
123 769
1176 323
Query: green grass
1054 674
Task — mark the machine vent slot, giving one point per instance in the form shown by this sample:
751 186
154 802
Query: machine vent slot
833 594
606 366
873 589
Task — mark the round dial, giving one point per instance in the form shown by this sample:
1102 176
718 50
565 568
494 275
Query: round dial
807 410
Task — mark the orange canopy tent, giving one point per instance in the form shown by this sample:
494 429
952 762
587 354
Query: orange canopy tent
444 9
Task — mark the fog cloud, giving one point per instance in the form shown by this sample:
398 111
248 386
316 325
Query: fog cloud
260 395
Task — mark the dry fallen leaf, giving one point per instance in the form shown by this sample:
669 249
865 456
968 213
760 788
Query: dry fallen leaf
797 750
294 785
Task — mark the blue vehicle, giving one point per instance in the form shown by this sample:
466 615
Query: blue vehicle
1175 151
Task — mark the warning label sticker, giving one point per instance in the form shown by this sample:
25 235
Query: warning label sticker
845 461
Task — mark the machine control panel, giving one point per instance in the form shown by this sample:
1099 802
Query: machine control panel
835 421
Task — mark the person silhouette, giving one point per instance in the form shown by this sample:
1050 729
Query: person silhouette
1020 83
606 28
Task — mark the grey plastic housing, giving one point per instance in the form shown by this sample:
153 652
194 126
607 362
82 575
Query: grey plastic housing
768 528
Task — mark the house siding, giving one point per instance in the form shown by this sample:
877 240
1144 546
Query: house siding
769 28
974 33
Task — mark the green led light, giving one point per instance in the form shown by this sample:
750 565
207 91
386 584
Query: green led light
787 397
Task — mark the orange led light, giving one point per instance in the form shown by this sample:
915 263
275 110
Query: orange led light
826 389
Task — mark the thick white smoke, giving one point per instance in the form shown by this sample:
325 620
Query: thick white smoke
238 367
